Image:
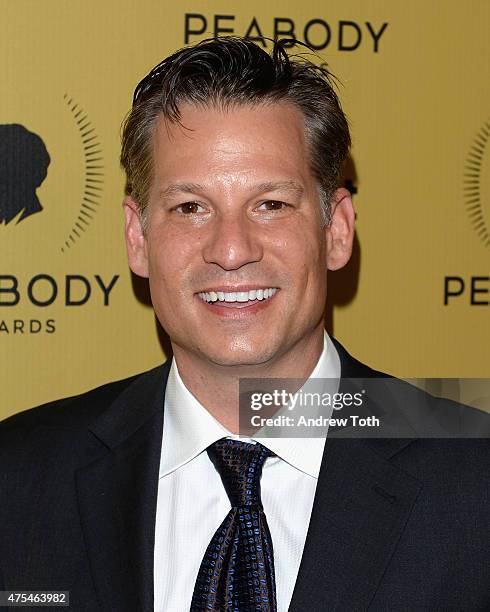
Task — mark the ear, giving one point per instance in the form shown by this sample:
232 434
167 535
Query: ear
340 231
135 238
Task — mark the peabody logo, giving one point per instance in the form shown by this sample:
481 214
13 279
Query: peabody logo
476 185
51 183
24 162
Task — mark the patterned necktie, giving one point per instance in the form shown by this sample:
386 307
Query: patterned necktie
237 571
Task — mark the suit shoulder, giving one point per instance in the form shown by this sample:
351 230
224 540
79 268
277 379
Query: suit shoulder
407 409
71 412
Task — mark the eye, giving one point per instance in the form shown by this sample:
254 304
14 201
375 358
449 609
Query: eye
189 208
272 205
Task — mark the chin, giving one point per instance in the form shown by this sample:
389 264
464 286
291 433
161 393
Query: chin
240 355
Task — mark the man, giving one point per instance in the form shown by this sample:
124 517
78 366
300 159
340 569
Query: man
140 495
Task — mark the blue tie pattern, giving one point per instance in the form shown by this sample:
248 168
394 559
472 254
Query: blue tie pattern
237 571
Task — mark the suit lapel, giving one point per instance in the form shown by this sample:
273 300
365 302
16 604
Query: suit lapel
117 495
361 506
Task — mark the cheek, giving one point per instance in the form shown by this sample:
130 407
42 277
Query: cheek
163 267
172 267
304 255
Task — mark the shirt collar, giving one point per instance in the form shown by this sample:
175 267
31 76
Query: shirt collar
189 428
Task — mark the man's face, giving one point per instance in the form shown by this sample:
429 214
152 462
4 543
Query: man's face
235 250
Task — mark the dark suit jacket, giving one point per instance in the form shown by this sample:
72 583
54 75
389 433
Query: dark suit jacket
397 524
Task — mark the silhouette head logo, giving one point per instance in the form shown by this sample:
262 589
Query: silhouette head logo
24 162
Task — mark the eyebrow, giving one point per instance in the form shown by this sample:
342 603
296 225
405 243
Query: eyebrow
195 188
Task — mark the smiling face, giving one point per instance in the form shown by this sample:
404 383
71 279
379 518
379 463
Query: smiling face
235 249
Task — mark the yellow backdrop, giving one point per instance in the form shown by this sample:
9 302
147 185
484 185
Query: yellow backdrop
415 299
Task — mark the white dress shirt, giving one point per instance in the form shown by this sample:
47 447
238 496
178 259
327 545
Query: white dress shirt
192 501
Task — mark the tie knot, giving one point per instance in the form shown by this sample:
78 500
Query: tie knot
240 466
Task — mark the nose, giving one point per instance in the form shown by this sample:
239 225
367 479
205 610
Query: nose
233 242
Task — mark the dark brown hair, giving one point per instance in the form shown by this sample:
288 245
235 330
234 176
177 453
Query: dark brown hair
228 71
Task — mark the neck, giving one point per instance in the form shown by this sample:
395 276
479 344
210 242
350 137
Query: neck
216 386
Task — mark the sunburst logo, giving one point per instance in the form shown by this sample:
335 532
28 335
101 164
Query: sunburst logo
477 184
51 165
92 189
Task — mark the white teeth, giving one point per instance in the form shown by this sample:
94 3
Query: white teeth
237 296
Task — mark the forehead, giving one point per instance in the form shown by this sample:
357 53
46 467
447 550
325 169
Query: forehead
242 140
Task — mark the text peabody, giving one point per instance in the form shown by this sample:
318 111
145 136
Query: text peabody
304 399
